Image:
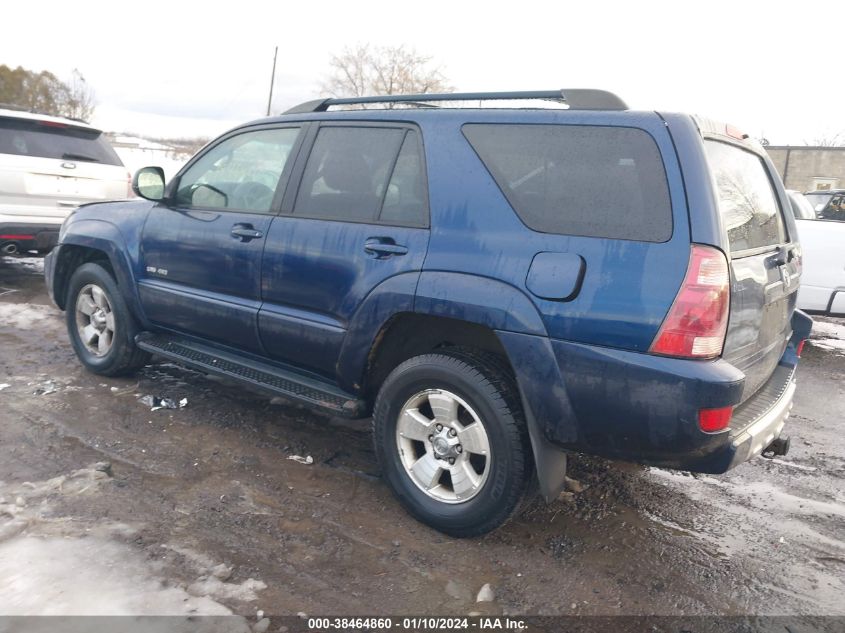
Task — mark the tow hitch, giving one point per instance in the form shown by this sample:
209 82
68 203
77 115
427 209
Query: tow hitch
780 446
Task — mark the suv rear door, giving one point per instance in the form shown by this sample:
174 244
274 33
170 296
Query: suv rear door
764 260
358 217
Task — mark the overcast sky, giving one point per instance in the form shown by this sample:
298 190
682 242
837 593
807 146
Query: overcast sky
197 68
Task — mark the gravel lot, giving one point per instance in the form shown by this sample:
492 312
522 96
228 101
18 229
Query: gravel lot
107 507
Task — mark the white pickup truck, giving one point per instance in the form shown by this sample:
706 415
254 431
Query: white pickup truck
823 244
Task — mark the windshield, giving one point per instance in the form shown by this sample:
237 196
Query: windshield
55 140
818 200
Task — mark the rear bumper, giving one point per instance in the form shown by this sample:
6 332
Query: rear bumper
28 236
753 440
643 408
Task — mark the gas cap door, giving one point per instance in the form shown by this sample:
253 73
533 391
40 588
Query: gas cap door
555 276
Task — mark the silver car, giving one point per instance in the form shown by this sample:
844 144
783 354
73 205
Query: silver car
48 167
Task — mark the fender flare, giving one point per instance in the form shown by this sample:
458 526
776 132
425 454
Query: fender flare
470 298
392 296
476 299
105 237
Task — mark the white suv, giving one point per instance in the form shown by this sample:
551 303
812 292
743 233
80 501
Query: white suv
48 167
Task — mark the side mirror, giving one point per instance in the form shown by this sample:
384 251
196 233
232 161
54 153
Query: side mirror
148 183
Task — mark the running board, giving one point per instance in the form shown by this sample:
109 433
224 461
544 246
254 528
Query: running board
278 381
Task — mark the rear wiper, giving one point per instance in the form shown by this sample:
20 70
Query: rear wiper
72 156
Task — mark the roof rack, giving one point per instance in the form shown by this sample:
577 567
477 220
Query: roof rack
575 98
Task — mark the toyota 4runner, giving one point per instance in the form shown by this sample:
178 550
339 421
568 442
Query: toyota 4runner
495 286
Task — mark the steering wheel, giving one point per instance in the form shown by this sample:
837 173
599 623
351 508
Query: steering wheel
266 177
253 196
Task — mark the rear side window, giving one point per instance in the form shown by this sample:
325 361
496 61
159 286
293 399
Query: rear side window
364 174
747 202
579 180
55 140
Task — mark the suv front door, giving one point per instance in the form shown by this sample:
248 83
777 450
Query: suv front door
201 247
358 217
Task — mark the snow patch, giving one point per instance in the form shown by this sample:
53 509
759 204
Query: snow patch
24 316
828 335
57 565
35 264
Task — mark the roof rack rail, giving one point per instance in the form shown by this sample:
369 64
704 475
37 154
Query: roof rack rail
575 98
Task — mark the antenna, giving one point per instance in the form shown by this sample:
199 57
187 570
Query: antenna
272 80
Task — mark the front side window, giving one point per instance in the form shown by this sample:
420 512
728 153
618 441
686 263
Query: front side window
364 174
747 202
240 173
579 180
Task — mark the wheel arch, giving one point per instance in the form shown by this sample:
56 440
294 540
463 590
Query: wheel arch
94 241
527 358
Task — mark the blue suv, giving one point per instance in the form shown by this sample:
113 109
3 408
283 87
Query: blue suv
495 286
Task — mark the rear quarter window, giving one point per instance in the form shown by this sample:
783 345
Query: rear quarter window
750 211
591 181
24 137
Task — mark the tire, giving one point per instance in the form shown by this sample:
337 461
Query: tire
104 341
467 388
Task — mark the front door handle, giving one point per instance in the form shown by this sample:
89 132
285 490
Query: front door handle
384 247
245 232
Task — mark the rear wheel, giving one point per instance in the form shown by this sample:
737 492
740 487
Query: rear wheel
99 324
451 441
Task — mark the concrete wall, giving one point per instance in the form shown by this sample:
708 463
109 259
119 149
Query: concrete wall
809 168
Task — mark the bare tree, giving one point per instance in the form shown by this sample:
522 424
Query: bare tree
830 140
77 98
44 92
363 70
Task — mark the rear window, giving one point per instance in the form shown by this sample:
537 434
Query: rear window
63 142
750 211
579 180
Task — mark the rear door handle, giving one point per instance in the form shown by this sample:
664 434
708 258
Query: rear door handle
384 247
245 232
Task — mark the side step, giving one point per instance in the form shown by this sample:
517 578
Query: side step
281 382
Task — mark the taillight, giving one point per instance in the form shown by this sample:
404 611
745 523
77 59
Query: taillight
698 319
712 420
129 192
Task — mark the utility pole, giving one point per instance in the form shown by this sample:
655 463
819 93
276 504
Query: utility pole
272 79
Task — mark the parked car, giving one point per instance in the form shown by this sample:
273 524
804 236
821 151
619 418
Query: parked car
494 286
828 204
823 245
48 167
802 208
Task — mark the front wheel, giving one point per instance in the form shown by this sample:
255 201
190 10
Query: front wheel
451 441
99 323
